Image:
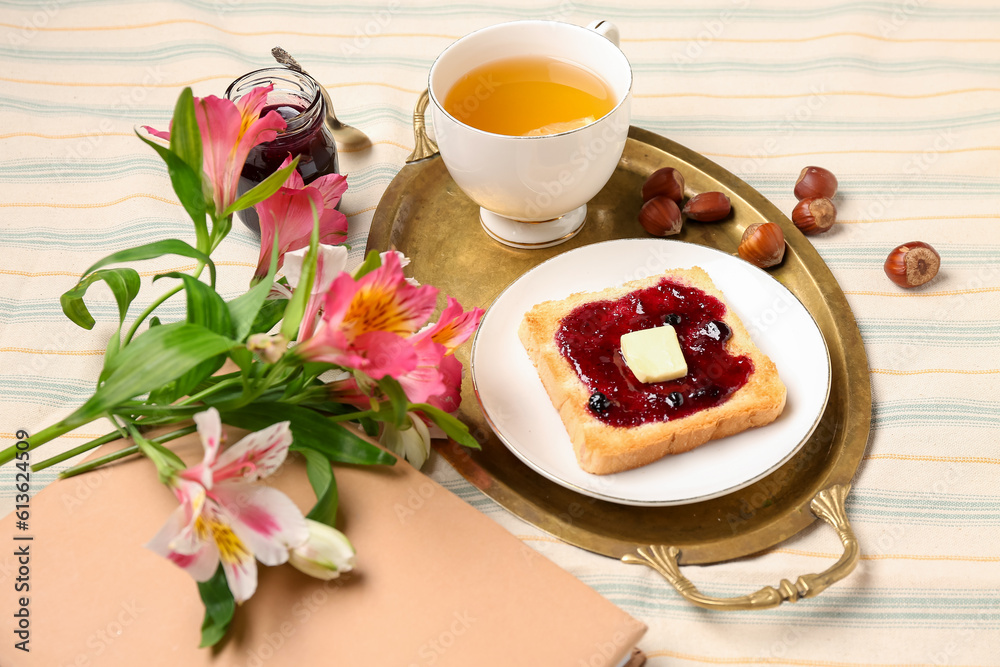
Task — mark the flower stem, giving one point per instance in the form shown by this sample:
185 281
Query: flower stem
209 391
85 447
148 311
114 456
96 463
156 304
39 439
120 454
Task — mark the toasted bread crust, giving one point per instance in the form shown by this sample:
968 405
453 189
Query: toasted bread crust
602 449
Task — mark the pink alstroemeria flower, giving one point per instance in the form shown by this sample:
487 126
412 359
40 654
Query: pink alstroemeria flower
228 131
225 518
288 214
438 375
366 324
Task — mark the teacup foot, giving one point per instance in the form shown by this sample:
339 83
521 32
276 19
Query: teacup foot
533 235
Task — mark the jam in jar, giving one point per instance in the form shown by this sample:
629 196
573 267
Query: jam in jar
297 97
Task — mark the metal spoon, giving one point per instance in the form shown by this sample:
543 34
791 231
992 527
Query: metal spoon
348 137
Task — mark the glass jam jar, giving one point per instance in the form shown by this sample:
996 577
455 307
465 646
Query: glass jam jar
296 96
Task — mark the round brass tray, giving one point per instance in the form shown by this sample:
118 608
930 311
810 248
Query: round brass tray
427 217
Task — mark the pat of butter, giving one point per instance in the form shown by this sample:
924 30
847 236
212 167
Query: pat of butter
654 355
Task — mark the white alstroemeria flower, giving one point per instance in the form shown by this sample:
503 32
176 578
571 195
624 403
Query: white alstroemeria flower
225 518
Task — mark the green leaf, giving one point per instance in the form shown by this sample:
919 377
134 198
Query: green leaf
370 426
398 402
124 284
269 314
219 608
372 262
320 474
452 427
185 136
262 190
310 430
187 185
204 305
110 352
242 357
245 308
154 250
154 358
297 304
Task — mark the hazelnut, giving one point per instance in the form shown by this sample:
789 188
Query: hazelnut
814 215
912 264
763 244
660 216
815 182
708 207
666 182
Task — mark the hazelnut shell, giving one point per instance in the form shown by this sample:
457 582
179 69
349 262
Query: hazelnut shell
763 244
660 216
708 207
665 182
815 182
912 264
814 215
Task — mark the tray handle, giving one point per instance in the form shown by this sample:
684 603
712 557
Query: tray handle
828 505
423 147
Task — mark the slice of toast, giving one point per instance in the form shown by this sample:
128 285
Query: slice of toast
602 448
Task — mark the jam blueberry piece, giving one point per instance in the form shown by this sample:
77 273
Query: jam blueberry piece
718 330
599 403
676 399
673 319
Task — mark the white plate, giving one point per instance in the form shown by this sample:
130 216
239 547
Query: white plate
519 410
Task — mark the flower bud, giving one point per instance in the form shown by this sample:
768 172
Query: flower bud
325 554
412 443
270 348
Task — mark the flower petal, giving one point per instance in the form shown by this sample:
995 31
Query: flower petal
425 379
385 354
192 497
157 133
257 455
330 263
451 375
210 431
384 301
200 563
454 327
265 519
294 180
237 559
287 214
332 187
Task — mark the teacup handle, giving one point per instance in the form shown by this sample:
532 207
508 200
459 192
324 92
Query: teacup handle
607 29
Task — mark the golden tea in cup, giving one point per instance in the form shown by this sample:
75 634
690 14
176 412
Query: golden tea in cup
531 118
527 96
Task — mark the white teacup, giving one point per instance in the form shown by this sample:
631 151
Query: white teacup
533 190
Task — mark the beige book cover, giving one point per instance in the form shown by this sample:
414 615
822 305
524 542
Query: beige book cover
436 583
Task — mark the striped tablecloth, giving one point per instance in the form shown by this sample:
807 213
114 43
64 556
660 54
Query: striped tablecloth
900 99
